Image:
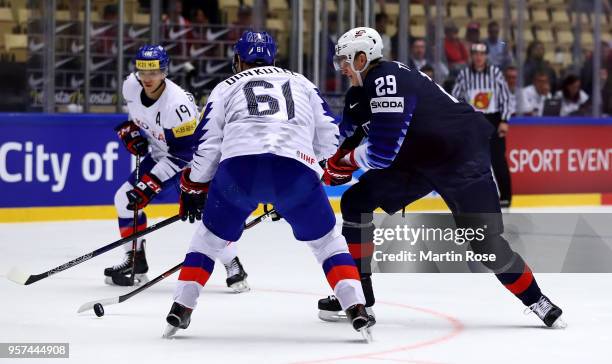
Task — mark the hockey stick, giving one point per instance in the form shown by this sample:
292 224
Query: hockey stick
20 277
114 300
135 241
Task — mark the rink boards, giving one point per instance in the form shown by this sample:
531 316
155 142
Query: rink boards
68 166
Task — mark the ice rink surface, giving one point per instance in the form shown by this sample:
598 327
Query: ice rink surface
422 318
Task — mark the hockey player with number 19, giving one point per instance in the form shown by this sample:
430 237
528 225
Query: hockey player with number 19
419 139
163 119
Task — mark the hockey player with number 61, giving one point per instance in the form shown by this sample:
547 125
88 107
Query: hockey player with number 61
163 119
264 132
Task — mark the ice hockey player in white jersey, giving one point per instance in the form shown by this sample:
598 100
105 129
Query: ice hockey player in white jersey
264 132
163 119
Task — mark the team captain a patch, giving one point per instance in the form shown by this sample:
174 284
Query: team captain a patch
387 104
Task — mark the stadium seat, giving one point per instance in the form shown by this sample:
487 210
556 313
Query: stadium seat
62 15
17 45
392 9
539 16
23 15
480 13
544 35
417 30
497 13
6 14
459 12
560 18
417 11
586 39
95 16
275 24
565 37
229 4
141 19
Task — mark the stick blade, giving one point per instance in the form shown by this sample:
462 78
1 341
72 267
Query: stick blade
18 276
105 302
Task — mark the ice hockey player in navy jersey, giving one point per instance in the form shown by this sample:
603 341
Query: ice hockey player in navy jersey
162 121
418 139
264 132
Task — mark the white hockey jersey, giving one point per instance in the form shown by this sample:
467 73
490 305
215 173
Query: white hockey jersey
264 110
169 125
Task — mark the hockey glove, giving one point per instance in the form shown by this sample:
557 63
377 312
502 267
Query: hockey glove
335 173
144 191
193 198
132 138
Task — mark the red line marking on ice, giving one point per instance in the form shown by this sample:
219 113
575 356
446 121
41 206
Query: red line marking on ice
457 328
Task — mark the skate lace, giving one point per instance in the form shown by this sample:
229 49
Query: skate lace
233 268
332 298
126 263
540 308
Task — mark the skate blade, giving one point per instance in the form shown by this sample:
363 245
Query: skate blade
559 324
332 316
169 332
366 332
139 279
240 287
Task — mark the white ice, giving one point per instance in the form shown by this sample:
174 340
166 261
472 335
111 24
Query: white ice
424 318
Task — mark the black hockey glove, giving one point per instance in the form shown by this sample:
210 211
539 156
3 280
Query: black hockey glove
132 138
193 198
144 191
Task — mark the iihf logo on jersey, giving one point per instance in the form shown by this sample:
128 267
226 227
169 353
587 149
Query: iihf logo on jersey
306 157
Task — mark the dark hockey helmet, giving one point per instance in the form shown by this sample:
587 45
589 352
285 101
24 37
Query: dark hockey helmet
257 48
152 57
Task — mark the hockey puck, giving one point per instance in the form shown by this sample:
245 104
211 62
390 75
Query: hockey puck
98 309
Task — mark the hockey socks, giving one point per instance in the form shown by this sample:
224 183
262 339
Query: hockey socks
195 272
519 280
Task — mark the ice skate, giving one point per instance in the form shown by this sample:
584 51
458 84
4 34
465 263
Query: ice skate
331 311
361 320
179 317
119 275
548 312
236 276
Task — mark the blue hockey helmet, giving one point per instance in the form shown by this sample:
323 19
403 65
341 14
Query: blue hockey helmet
152 57
257 48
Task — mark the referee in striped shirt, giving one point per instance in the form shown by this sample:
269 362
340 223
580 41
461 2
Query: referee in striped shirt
483 86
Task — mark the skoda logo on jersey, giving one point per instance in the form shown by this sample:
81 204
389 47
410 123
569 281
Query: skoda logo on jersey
387 104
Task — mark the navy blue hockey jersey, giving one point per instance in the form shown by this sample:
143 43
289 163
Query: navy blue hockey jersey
413 122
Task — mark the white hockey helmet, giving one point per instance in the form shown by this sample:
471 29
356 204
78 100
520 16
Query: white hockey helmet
361 39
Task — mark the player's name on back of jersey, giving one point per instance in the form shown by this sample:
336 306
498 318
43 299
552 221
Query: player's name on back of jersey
259 71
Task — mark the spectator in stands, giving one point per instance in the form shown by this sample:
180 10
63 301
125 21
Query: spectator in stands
499 53
418 58
472 34
586 73
535 94
606 92
417 54
244 21
574 101
177 29
382 20
535 61
511 76
456 53
428 70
